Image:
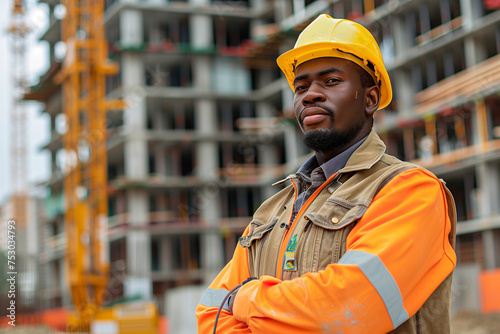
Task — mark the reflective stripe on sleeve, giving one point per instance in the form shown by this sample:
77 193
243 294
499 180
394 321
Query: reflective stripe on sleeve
381 279
213 298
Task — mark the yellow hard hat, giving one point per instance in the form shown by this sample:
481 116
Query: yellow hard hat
329 37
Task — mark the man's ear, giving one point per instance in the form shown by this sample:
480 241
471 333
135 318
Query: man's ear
372 99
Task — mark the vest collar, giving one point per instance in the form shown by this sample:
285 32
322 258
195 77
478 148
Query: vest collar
371 151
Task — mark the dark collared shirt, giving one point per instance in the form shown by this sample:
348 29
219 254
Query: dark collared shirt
312 176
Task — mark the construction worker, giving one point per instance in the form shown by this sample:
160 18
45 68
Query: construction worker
359 242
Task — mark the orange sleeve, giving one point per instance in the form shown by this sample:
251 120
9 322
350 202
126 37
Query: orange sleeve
396 256
235 272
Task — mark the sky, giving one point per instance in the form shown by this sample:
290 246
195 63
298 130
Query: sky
38 124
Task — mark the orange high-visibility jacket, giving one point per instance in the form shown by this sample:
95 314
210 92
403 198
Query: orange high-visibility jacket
396 255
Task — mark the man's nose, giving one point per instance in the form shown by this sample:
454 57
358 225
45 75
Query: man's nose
314 94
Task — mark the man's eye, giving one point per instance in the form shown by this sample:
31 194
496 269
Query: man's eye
299 88
332 80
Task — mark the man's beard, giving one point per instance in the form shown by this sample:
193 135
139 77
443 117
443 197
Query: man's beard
327 138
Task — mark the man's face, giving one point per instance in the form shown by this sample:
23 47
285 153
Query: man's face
329 103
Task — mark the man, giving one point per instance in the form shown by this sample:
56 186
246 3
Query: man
360 242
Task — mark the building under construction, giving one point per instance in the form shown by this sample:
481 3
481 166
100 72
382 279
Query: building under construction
208 127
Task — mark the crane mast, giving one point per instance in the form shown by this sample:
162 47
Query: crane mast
83 73
19 161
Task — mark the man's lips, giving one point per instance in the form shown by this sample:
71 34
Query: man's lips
313 115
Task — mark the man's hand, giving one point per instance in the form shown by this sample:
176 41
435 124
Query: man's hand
232 296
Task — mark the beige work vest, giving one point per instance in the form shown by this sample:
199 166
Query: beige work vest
325 225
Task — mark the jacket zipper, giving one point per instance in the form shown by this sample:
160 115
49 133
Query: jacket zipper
286 239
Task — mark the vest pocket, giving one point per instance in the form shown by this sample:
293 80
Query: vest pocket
256 231
324 239
336 214
257 234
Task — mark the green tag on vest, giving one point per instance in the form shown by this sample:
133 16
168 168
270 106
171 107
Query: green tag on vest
292 244
290 264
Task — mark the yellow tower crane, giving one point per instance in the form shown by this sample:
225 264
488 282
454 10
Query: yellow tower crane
83 73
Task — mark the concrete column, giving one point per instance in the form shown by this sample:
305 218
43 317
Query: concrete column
475 51
490 260
487 179
405 91
131 28
138 243
397 28
467 14
291 137
201 31
292 145
207 156
136 168
287 97
137 207
134 117
136 159
266 149
208 194
494 189
138 281
483 182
